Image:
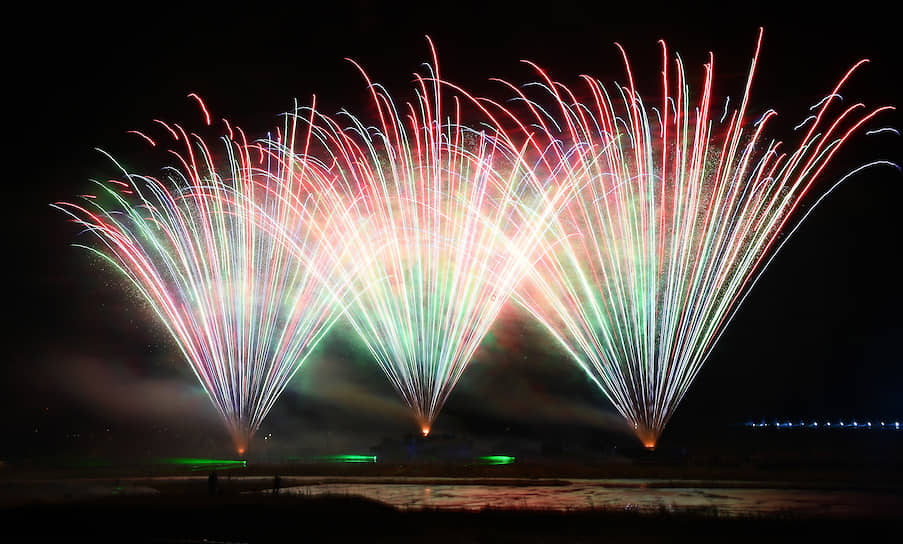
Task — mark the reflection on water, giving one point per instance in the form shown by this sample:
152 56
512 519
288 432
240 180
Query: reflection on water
723 498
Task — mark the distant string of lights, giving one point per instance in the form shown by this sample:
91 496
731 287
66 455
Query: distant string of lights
838 424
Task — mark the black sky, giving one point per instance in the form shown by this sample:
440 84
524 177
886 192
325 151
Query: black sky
818 337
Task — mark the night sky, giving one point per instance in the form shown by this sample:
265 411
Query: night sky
818 337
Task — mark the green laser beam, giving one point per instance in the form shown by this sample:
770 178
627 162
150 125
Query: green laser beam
496 459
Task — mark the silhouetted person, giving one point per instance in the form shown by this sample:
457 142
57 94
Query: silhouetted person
211 484
277 483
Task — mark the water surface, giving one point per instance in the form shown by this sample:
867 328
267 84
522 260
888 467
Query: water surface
722 498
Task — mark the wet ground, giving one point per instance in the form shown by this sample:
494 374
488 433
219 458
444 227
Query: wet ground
242 508
758 499
723 498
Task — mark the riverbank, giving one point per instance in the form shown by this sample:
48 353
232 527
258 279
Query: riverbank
174 517
423 502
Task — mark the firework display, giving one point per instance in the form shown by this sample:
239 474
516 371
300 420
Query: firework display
230 249
631 229
448 215
674 216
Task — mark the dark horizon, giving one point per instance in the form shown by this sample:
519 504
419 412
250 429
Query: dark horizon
818 337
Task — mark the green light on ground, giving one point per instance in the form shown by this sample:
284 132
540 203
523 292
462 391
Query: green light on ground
347 458
203 464
496 459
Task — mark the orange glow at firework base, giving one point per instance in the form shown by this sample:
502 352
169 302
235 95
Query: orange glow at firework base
646 436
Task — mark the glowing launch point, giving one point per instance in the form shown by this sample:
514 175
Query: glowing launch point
425 431
647 436
241 440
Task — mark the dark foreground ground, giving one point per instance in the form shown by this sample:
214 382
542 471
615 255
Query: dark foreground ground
348 519
185 511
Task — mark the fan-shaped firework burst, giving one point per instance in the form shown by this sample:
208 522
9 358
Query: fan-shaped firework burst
673 221
230 250
447 215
